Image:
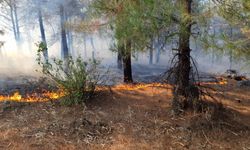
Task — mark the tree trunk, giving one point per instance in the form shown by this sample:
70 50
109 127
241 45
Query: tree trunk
184 65
158 50
93 47
13 22
85 46
231 51
70 43
42 31
119 57
69 36
127 67
17 21
64 45
151 53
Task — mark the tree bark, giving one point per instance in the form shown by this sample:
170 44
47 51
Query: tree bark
42 31
119 57
184 65
157 46
93 47
64 45
69 36
127 67
17 21
13 21
151 53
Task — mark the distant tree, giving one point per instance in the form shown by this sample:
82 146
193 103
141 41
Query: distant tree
119 58
236 37
10 14
151 52
1 33
39 5
131 25
64 44
68 11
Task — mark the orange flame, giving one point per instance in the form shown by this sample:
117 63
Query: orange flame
46 96
54 95
34 97
221 81
15 97
131 87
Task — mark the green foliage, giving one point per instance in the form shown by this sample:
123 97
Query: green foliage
77 78
232 25
135 20
42 47
140 21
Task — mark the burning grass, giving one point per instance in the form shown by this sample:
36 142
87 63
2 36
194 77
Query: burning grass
131 87
219 81
46 95
35 97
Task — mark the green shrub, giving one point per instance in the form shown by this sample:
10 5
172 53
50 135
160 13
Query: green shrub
76 77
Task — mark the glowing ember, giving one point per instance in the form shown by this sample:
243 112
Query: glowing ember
221 81
54 95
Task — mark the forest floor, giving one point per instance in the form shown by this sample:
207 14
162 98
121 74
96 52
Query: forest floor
128 118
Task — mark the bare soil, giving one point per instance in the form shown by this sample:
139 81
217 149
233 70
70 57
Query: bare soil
129 118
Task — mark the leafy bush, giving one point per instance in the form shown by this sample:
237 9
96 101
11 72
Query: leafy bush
76 77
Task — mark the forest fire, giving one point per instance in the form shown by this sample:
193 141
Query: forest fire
15 97
131 87
35 97
47 95
220 81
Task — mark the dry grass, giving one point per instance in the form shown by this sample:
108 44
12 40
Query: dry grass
138 119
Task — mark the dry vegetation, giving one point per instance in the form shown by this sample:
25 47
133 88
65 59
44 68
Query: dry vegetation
128 118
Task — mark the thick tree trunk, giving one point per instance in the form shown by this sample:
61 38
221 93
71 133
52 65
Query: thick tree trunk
64 45
42 31
127 67
184 66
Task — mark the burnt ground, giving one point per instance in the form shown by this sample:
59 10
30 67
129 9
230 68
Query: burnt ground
128 118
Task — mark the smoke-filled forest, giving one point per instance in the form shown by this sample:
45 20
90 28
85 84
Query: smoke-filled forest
125 74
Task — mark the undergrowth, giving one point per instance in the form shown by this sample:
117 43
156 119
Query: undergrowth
76 77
